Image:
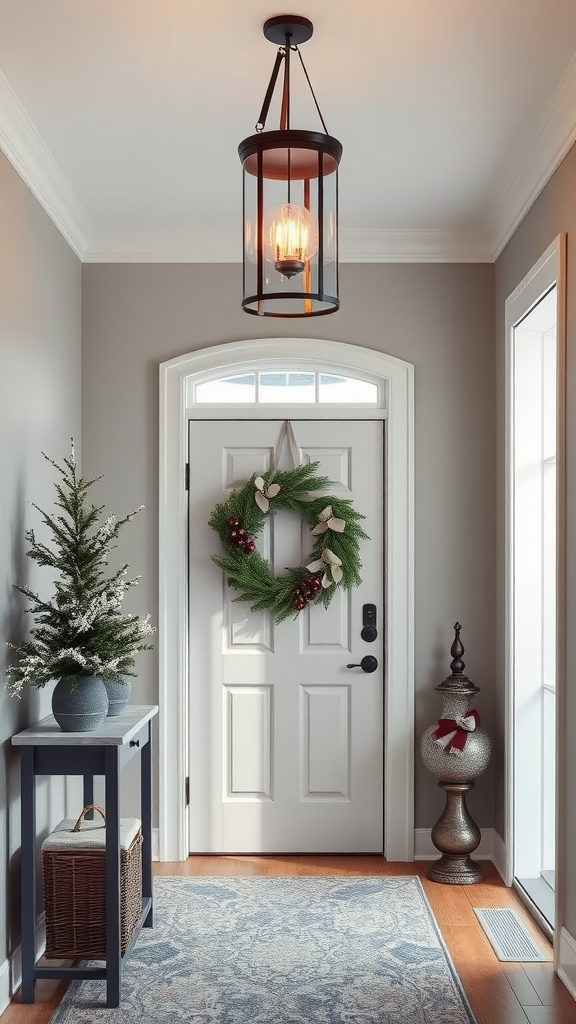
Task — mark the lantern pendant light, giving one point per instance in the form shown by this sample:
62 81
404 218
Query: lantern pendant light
290 200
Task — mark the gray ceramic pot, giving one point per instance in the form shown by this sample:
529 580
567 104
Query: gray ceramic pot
81 707
118 695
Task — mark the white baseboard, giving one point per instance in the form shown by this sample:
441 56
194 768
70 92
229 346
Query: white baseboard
566 955
491 847
11 969
499 855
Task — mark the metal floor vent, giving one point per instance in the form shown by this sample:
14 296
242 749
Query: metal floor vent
509 937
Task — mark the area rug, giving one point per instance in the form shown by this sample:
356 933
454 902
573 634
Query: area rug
306 950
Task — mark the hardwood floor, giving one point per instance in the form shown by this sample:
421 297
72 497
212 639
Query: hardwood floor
498 993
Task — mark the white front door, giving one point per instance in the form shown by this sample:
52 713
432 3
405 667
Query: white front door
285 741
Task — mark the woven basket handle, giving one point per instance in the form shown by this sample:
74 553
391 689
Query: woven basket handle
90 807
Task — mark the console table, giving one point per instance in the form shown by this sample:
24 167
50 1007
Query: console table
46 750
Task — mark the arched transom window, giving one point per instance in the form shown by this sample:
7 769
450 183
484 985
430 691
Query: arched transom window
286 387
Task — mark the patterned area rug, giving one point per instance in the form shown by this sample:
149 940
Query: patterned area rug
307 950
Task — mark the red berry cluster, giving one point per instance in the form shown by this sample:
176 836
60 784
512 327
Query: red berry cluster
238 536
308 589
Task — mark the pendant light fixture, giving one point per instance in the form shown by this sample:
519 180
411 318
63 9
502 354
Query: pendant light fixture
290 199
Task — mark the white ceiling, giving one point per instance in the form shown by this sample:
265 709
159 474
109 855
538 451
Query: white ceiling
124 117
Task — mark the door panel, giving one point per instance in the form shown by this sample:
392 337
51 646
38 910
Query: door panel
325 750
286 750
248 731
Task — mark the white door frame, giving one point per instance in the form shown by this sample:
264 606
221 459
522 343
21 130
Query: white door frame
396 378
550 269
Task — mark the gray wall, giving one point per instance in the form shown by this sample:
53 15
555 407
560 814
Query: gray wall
439 317
40 362
554 212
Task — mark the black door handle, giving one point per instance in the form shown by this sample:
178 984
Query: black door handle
368 664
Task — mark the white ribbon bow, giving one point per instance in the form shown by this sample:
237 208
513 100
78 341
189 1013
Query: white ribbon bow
328 522
264 492
468 723
331 563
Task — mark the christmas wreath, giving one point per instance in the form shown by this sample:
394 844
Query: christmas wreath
335 528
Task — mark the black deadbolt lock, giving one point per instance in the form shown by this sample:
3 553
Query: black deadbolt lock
369 632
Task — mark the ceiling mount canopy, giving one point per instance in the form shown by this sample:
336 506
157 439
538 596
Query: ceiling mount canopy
290 199
298 28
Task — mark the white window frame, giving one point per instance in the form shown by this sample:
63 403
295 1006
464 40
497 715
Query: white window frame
396 380
549 270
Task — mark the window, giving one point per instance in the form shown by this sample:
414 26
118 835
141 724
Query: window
534 330
286 387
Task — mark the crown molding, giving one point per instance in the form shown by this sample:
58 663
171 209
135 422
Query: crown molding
33 161
553 136
412 246
224 247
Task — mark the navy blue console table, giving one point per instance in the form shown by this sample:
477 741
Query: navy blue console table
46 750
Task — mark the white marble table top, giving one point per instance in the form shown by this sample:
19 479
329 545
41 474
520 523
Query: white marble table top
114 731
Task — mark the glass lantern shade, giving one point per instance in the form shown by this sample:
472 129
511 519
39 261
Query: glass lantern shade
290 223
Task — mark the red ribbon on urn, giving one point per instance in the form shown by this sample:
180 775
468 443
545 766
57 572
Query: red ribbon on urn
452 733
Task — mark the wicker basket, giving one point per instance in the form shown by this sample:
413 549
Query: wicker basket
73 860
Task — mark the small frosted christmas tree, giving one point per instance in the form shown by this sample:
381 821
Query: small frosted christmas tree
81 630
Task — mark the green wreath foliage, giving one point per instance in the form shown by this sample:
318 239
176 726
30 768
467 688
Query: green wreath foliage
249 572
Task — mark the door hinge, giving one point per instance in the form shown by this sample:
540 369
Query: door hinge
187 790
187 476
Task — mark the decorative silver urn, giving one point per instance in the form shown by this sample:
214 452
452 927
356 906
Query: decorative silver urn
456 749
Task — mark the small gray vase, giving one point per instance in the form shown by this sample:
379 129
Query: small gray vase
83 708
118 696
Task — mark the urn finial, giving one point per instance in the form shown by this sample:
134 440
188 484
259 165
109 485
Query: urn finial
457 650
457 682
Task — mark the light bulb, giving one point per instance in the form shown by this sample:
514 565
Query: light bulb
290 238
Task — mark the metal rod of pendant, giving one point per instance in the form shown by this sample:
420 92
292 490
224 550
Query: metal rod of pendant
312 91
261 122
287 79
